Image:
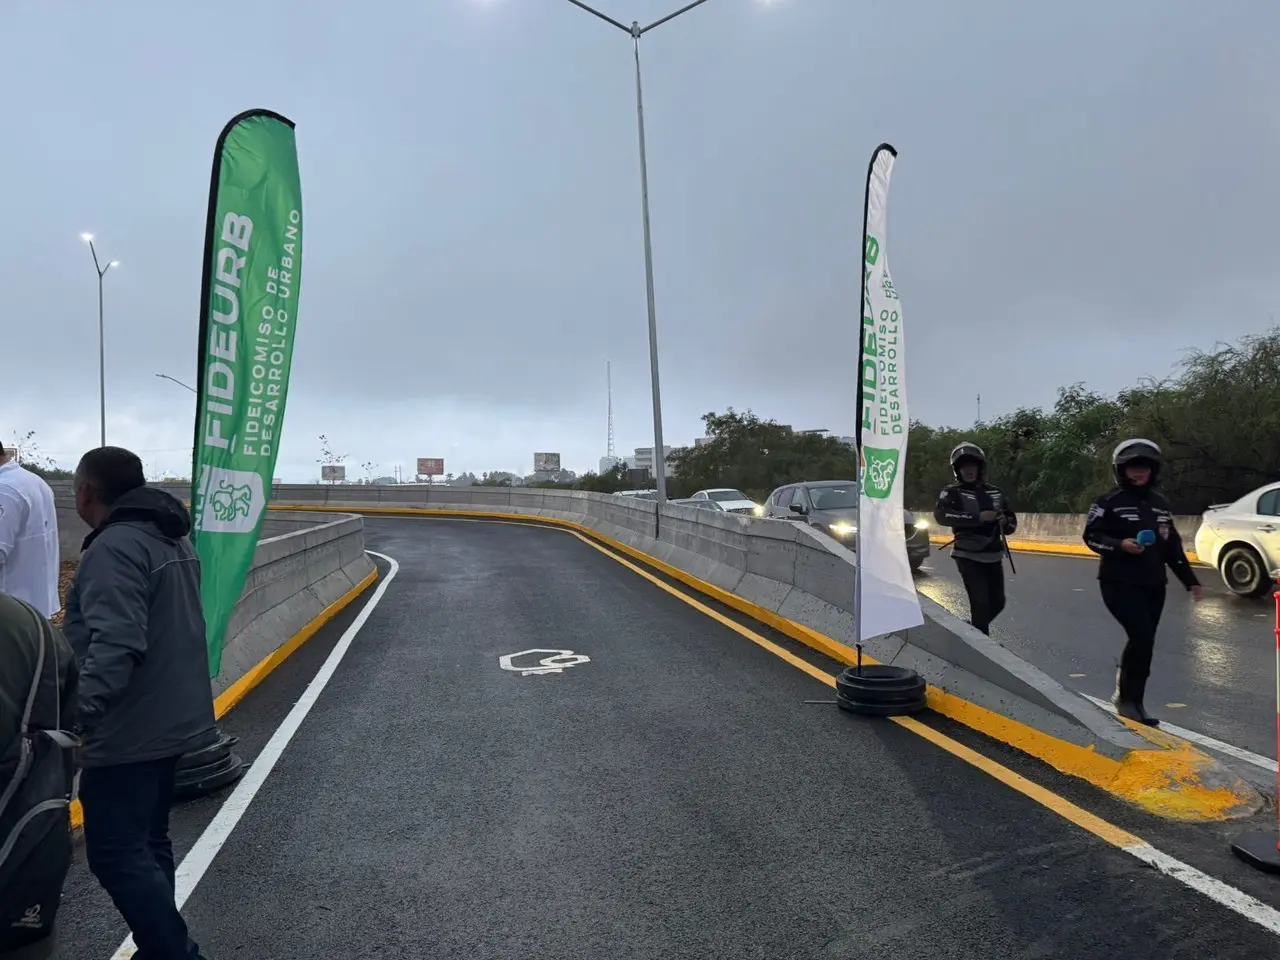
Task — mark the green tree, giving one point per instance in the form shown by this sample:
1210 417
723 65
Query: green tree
755 456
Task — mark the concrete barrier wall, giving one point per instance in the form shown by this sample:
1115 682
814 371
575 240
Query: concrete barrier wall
786 568
72 530
1068 527
295 576
304 562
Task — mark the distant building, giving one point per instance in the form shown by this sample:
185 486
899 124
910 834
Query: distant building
644 457
608 463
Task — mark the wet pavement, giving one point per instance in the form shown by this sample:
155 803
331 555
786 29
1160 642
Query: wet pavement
1214 669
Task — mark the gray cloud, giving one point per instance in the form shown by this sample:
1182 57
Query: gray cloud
1084 191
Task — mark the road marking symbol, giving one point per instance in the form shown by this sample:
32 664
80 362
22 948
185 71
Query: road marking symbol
558 662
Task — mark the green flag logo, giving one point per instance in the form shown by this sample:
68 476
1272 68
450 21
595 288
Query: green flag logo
231 501
882 470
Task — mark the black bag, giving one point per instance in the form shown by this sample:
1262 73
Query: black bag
37 777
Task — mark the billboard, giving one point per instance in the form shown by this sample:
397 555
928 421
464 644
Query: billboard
333 472
430 467
546 463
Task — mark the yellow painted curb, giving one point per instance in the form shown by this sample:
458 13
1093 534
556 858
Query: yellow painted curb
229 697
1052 547
1167 780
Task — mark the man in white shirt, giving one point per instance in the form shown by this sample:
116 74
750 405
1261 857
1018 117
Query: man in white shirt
28 537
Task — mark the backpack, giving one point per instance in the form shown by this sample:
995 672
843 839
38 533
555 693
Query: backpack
37 777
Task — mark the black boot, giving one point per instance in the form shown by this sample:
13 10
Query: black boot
1128 701
1138 694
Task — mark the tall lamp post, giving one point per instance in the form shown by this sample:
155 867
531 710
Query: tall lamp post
165 376
102 350
635 31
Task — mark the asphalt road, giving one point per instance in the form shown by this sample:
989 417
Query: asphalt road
673 797
1215 659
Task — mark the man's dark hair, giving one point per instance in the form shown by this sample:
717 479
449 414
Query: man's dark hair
112 472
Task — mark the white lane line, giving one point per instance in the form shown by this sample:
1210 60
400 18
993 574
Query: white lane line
198 859
1266 763
1236 900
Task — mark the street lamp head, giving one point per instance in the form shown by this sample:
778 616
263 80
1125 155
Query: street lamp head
114 263
87 237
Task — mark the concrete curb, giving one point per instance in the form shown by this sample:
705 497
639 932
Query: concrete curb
1052 547
1159 773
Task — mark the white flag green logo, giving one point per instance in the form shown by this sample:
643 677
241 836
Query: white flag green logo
887 598
248 314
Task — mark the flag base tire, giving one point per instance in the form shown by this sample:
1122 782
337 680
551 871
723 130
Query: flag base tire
881 690
1259 849
208 769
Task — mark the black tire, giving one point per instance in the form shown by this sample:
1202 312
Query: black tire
206 755
201 781
881 690
1243 572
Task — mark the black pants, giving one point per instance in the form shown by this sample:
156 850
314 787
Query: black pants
1137 609
126 840
984 582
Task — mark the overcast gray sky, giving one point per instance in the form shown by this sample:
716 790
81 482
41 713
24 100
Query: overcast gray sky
1084 191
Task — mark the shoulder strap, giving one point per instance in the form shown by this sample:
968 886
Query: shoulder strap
24 729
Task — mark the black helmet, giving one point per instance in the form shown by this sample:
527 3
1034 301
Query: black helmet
1136 450
968 451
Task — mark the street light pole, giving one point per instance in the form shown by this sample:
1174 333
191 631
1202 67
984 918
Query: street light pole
165 376
102 347
635 31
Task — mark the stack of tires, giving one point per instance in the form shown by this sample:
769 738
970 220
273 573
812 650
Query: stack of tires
209 769
880 690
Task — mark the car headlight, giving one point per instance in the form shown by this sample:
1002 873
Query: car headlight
843 529
758 510
922 524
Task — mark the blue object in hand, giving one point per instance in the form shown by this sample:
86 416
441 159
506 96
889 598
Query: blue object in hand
1146 538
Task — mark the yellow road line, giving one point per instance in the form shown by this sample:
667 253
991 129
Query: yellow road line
1166 779
1056 803
229 697
1053 548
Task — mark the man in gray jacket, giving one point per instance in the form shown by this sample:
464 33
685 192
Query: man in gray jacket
134 619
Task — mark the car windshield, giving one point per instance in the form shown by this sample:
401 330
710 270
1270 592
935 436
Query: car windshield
834 498
721 496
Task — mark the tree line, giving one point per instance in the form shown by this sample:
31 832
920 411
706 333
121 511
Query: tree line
1217 419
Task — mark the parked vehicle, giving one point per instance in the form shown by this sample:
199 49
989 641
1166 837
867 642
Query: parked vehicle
831 506
1242 540
730 500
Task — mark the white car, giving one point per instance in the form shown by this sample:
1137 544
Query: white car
730 501
1242 540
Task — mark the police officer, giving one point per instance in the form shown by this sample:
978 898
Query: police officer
980 515
1131 529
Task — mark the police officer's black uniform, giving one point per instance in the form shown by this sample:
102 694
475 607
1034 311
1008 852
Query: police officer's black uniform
978 547
1133 584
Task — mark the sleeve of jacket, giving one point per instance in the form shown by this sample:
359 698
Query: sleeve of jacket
12 513
1175 557
1008 519
113 587
1096 537
948 513
68 680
